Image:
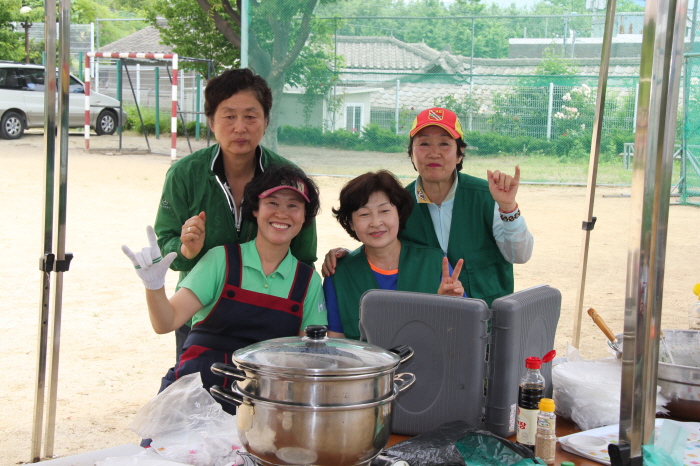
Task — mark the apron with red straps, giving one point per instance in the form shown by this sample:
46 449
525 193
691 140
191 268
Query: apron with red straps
239 319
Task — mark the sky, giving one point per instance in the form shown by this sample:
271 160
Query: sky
506 3
529 3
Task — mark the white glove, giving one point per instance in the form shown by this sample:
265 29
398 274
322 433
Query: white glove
150 267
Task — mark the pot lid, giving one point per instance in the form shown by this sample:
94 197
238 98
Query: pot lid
316 354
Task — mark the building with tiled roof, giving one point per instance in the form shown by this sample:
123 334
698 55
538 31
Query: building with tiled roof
146 40
382 76
408 77
389 56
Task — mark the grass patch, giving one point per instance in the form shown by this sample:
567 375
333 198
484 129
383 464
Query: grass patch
533 167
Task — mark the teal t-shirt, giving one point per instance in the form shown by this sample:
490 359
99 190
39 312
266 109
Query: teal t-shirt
206 281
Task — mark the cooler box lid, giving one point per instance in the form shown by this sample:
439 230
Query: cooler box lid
467 359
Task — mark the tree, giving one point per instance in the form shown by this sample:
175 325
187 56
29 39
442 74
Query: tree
280 34
193 34
11 41
553 64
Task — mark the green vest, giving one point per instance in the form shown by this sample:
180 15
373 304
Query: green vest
420 269
486 274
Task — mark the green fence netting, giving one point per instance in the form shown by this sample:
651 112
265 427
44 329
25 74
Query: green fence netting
521 85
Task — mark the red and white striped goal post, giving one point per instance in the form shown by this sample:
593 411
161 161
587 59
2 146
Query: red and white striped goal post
154 56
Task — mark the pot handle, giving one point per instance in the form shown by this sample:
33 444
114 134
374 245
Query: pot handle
404 380
224 370
402 351
225 394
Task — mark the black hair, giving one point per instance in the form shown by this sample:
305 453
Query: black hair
231 82
461 145
279 175
357 191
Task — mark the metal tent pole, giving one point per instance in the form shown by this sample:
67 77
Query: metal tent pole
245 25
47 258
660 70
589 223
62 259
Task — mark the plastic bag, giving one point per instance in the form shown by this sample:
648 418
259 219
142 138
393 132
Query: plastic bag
435 447
588 391
669 448
187 425
144 458
443 446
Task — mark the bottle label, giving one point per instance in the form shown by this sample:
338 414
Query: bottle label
546 424
527 426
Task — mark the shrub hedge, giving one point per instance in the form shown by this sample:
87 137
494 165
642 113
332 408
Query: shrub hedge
133 123
374 138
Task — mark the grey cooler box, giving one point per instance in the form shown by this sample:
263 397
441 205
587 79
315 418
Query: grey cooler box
468 360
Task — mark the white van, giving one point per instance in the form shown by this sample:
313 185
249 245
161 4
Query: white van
22 102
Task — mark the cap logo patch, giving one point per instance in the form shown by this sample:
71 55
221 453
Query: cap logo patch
436 114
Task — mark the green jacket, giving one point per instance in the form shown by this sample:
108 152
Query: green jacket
191 187
486 274
420 268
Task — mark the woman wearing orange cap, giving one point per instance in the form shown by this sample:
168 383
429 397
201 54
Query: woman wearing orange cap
468 218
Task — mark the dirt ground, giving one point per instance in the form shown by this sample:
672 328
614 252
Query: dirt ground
111 361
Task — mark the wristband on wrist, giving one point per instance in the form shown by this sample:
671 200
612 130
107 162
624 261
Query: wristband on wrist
511 216
510 211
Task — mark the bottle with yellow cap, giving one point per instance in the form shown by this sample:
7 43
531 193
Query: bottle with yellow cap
694 311
546 438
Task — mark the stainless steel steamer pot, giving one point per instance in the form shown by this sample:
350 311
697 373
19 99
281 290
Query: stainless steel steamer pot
290 434
315 370
314 400
679 382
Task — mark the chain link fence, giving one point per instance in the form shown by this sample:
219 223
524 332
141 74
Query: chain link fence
688 185
521 85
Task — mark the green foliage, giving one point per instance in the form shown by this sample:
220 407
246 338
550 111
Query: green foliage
553 64
192 33
445 32
461 107
384 140
450 27
11 41
312 70
575 117
492 143
133 123
281 46
373 138
110 31
81 11
574 146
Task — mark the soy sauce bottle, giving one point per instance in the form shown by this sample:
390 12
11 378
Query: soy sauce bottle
530 392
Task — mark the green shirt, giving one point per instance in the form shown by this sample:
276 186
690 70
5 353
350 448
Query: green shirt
208 277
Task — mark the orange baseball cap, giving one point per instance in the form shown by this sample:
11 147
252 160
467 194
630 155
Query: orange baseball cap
436 116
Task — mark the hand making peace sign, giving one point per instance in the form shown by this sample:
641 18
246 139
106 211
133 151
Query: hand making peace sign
450 285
